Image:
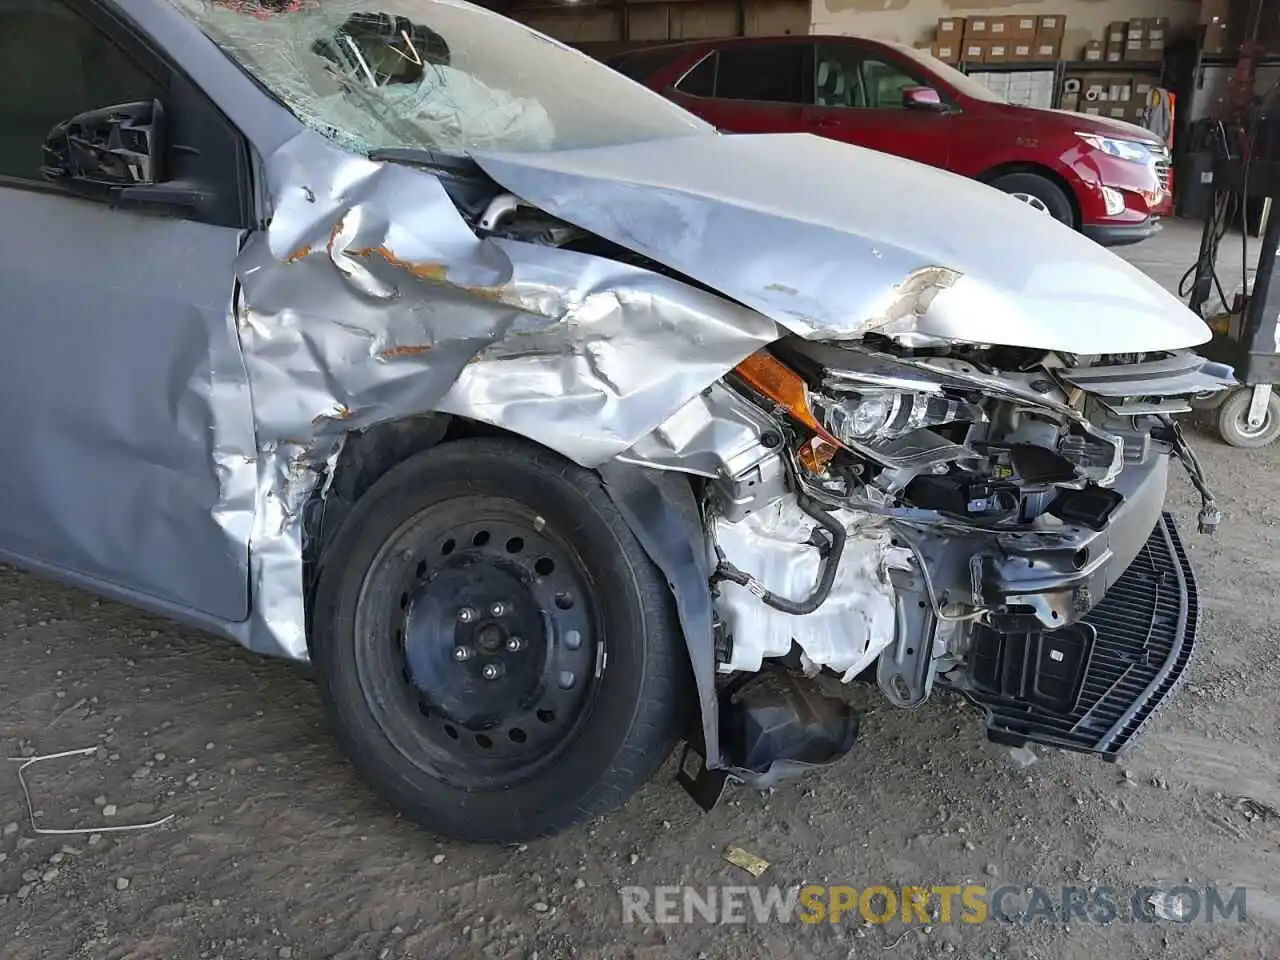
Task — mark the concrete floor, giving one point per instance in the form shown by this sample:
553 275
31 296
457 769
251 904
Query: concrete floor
1168 256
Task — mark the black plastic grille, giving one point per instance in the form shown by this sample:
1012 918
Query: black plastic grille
1146 629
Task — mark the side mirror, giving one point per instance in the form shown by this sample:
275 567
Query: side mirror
118 153
922 98
120 146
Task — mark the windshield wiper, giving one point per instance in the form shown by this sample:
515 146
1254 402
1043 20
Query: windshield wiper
426 157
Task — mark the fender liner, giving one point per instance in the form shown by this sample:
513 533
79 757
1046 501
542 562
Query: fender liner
660 508
663 513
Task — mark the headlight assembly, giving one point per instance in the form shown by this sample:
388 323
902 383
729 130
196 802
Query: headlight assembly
883 414
848 416
1133 150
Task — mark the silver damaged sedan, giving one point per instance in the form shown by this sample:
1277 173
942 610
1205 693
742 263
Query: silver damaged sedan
554 427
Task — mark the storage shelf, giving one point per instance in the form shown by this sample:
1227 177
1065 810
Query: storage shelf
1231 59
1008 66
1122 66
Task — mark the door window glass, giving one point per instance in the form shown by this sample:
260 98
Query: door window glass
641 65
765 72
844 77
883 83
54 65
701 80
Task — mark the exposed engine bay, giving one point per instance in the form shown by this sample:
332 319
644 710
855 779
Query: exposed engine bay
914 517
913 512
951 444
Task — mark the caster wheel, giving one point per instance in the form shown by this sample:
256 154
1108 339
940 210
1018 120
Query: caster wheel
1233 421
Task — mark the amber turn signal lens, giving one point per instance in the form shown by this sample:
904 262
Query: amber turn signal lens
773 379
767 376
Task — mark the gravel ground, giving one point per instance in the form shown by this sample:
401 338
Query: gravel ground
275 850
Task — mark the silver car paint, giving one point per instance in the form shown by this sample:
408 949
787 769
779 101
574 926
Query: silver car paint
368 299
834 242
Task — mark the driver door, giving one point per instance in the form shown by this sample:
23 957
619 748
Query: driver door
127 417
858 99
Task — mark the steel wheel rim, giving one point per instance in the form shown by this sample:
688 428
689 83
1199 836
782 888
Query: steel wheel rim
530 677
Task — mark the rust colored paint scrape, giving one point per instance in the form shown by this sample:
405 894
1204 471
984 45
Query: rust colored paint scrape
299 254
343 412
434 272
405 350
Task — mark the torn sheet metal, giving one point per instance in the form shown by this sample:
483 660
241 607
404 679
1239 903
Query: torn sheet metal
716 435
369 298
853 624
834 242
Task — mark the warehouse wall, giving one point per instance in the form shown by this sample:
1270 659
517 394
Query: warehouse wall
601 29
909 21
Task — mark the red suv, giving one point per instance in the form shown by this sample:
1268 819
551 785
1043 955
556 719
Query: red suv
1107 178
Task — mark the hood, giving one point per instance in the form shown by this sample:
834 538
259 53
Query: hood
1105 126
834 242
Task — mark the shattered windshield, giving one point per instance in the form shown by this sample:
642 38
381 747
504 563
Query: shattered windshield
433 74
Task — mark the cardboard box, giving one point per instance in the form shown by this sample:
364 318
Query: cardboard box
1145 52
997 52
1020 28
950 29
977 28
1214 11
1117 30
947 52
1156 27
1051 27
998 28
1092 51
974 51
1022 51
1137 29
1047 50
1120 112
1213 16
1094 111
1115 55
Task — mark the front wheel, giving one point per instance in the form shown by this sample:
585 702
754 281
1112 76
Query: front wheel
1038 192
498 656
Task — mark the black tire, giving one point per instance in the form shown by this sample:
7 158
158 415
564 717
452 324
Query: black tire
1056 202
640 682
1233 421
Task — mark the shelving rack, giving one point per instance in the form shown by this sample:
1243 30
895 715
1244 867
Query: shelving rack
1061 68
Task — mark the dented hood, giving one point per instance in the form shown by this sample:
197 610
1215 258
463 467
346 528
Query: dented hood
834 242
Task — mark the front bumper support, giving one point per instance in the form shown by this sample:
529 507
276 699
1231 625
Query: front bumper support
1142 636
